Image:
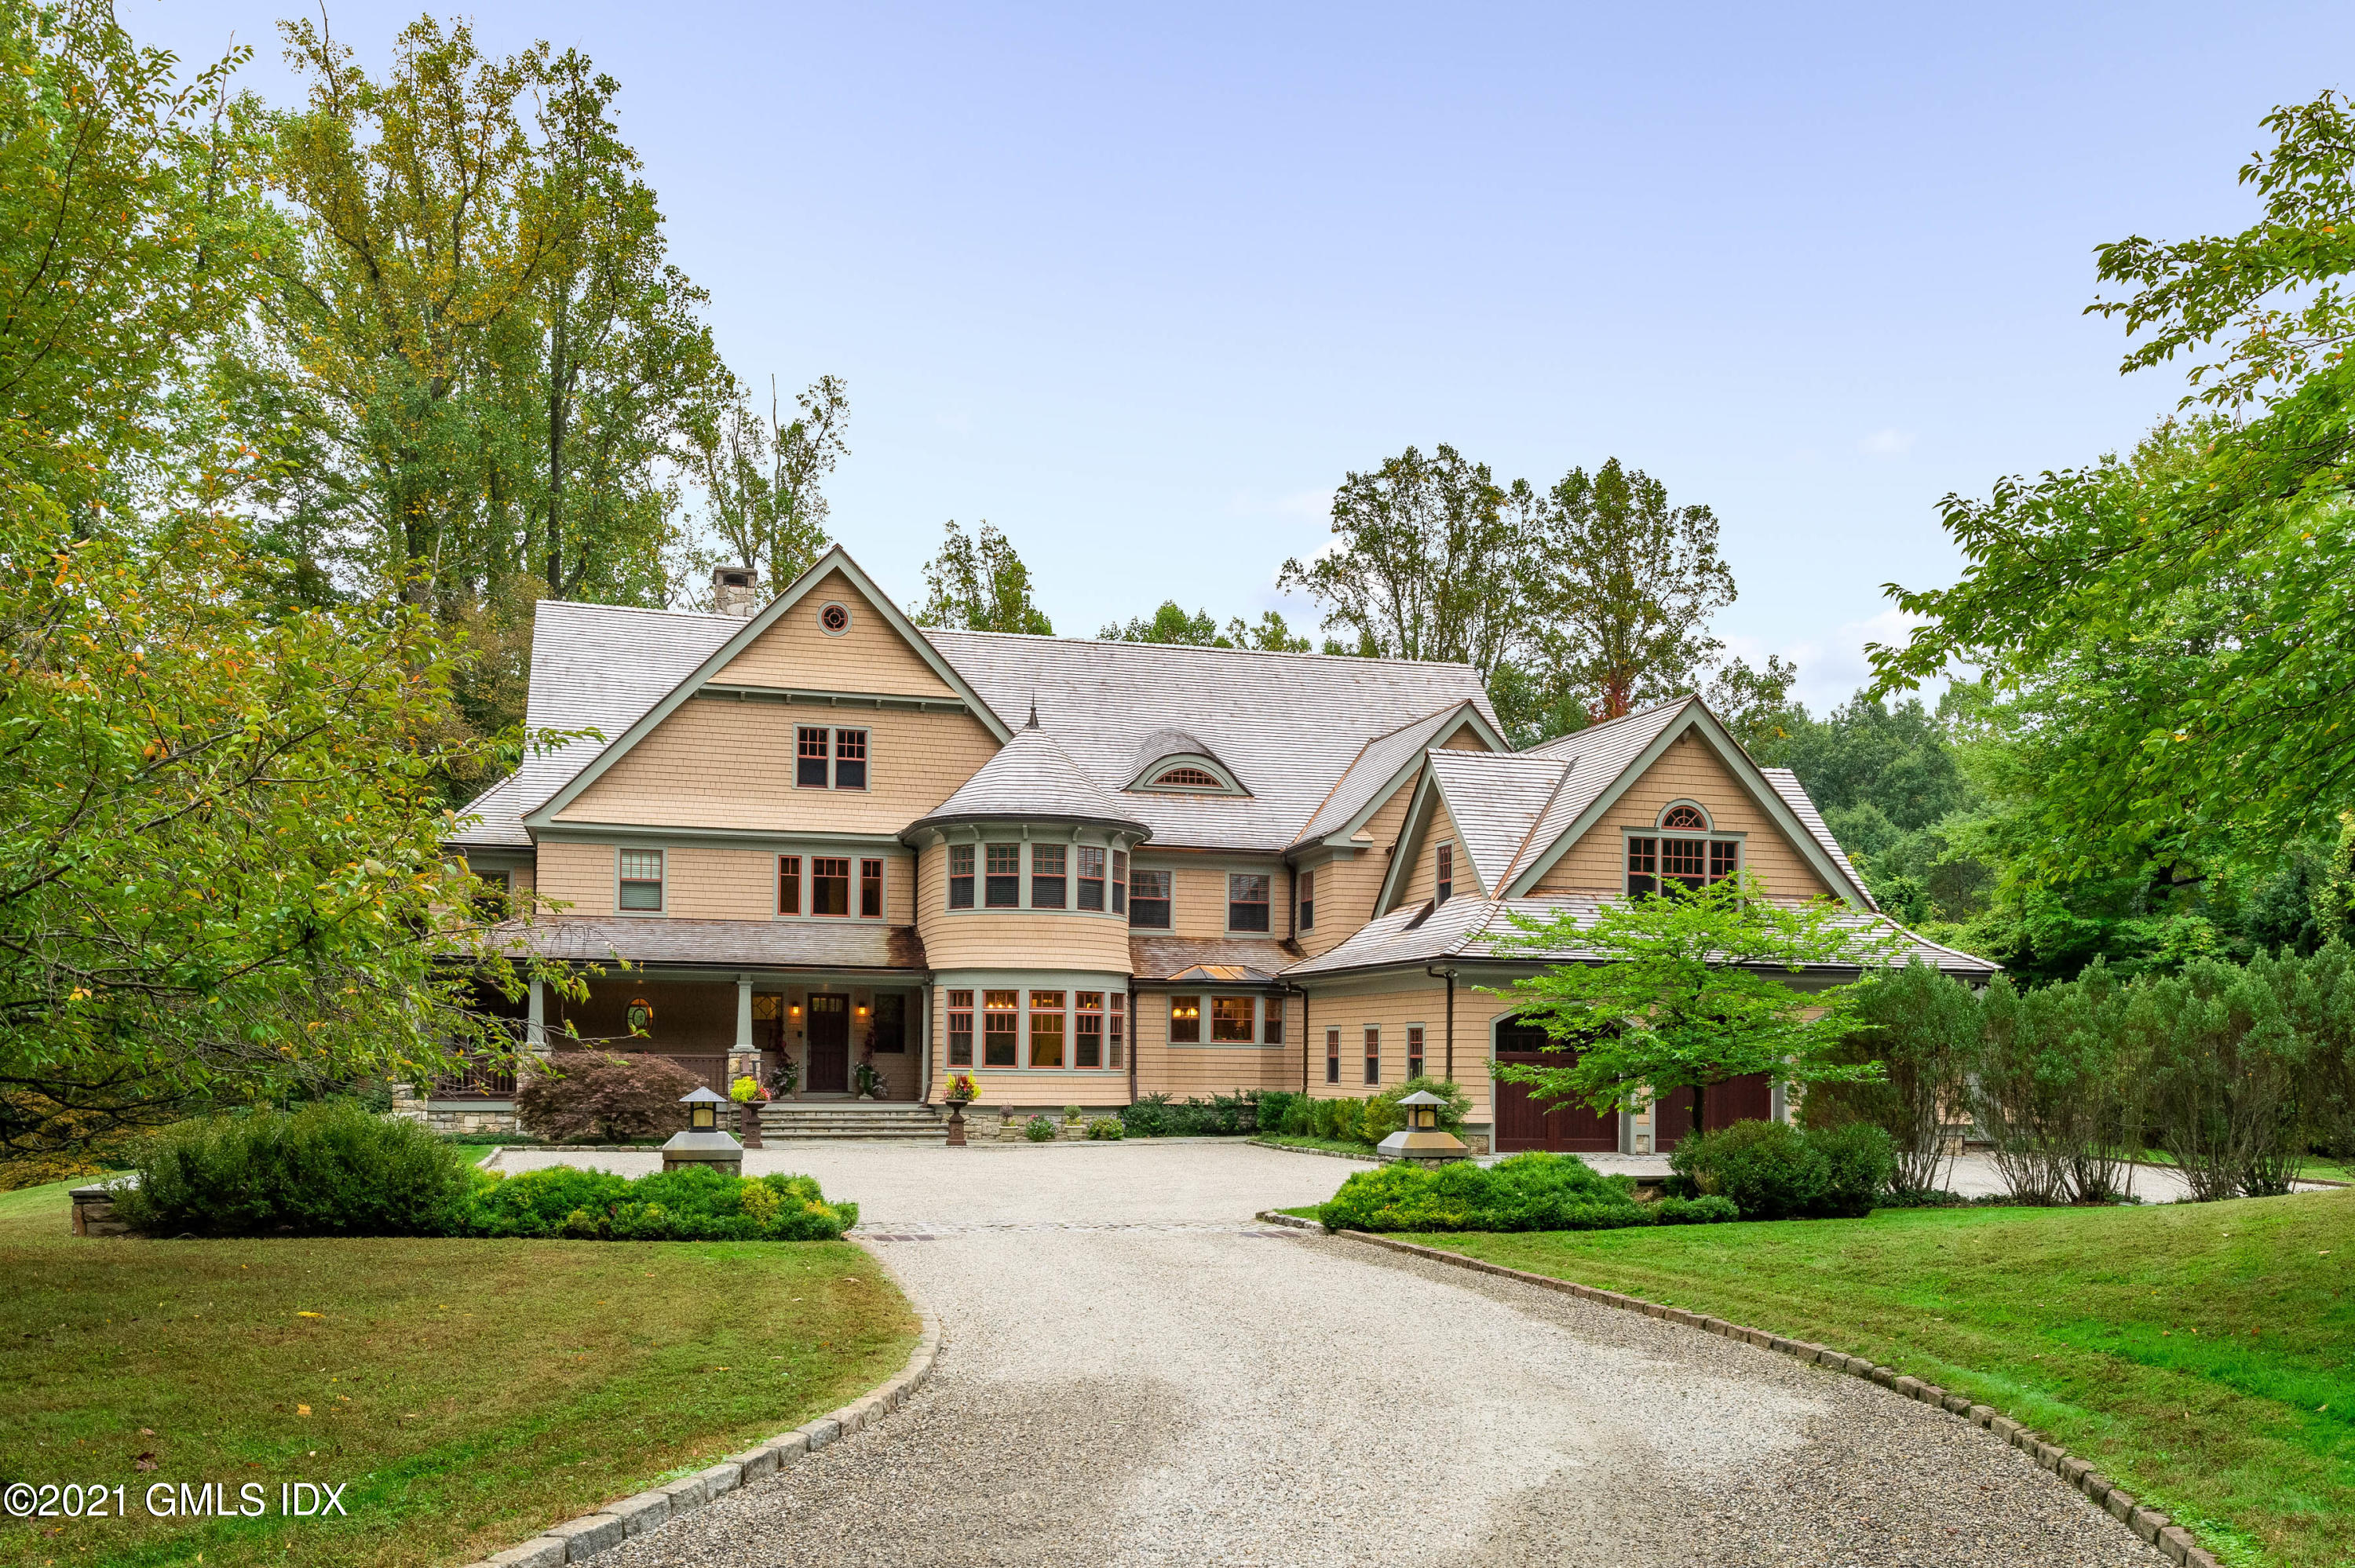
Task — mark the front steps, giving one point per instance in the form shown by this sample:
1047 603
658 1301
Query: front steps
795 1121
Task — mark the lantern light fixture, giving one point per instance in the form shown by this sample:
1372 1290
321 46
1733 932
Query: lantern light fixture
1422 1140
702 1109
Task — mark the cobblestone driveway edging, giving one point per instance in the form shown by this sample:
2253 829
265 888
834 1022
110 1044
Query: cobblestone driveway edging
578 1540
2151 1525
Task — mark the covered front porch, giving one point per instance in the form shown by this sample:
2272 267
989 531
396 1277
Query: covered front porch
828 1011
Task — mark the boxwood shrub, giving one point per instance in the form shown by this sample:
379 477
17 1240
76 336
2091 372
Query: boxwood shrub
328 1169
693 1204
1775 1172
1526 1192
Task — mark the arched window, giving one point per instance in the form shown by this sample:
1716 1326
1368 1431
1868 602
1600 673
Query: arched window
1684 818
1190 778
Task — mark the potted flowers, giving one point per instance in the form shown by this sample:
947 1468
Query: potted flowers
749 1095
962 1092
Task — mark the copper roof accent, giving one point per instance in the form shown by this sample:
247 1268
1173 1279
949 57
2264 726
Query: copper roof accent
728 944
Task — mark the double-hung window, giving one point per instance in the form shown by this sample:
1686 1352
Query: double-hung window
1443 874
1148 899
829 884
1120 882
870 890
1332 1055
789 885
1047 883
641 880
1091 877
1271 1022
1642 867
1002 883
850 759
1414 1050
1047 1029
1725 855
1247 901
1087 1031
810 758
1308 901
960 1029
1373 1054
960 876
1001 1026
1230 1019
1116 1027
1184 1021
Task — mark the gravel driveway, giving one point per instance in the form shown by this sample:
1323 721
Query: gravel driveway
1135 1371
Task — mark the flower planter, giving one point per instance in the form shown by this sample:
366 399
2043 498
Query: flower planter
956 1124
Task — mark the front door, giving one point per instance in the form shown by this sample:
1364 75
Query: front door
829 1044
1523 1123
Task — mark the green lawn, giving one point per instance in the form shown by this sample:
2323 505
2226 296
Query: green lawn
2203 1355
471 1392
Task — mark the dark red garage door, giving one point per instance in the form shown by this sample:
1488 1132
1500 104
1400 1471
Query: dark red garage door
1747 1098
1522 1124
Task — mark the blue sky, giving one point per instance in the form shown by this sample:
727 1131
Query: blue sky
1138 285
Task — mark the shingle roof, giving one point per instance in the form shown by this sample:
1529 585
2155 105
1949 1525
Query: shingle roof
593 666
1209 961
1032 778
1495 801
1598 755
1795 795
1466 928
1375 766
765 944
1289 725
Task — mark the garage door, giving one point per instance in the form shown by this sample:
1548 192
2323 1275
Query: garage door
1747 1098
1523 1123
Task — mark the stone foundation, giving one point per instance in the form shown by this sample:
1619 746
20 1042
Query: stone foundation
450 1117
1005 1124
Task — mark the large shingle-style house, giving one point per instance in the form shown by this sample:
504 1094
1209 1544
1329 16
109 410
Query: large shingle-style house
1085 871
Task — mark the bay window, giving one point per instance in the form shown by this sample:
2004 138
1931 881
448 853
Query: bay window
1087 1029
1047 883
1120 882
1271 1023
1002 883
1046 1028
1091 877
1184 1021
960 876
1230 1019
1001 1025
960 1029
1115 1028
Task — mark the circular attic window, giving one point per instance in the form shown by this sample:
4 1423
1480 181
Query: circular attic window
834 620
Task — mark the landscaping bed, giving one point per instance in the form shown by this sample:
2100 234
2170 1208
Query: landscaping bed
2197 1354
470 1392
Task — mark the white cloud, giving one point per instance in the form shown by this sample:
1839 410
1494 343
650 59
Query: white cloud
1887 443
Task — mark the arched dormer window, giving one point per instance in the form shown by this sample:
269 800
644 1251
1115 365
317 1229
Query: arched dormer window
1684 817
1682 847
1171 761
1188 778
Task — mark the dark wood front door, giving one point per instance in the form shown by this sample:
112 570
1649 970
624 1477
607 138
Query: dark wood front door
829 1044
1523 1123
1750 1097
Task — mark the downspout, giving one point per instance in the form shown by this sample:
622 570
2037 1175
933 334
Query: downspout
1306 1034
1450 974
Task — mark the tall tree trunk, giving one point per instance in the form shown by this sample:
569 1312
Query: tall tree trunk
557 375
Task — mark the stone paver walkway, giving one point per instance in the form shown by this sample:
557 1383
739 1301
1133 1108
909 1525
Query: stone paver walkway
1136 1370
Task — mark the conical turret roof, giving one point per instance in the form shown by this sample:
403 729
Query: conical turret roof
1033 779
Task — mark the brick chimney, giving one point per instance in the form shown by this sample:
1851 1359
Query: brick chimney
735 590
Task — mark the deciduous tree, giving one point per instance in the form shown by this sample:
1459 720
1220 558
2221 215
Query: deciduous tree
977 583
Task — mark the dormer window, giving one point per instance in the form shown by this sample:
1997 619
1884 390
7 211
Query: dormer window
1183 764
1685 851
1187 779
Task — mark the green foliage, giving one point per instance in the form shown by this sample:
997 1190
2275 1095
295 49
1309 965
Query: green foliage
1703 1211
1772 1171
695 1203
1684 994
1105 1128
1924 1030
1382 1115
1339 1119
760 474
329 1169
1161 1115
979 584
1274 1108
1039 1130
1525 1192
605 1096
1171 624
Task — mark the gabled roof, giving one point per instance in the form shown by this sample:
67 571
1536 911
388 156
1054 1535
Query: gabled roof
1386 762
748 632
1496 802
1033 779
1786 784
1289 725
1467 929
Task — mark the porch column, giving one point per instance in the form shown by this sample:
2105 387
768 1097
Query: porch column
924 1044
534 1029
744 1060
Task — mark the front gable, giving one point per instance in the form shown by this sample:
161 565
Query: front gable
1693 760
867 665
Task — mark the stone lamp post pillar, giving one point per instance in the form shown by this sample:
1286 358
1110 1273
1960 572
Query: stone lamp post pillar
703 1143
1421 1139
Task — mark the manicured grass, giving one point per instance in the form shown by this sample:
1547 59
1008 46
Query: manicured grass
471 1392
2201 1354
